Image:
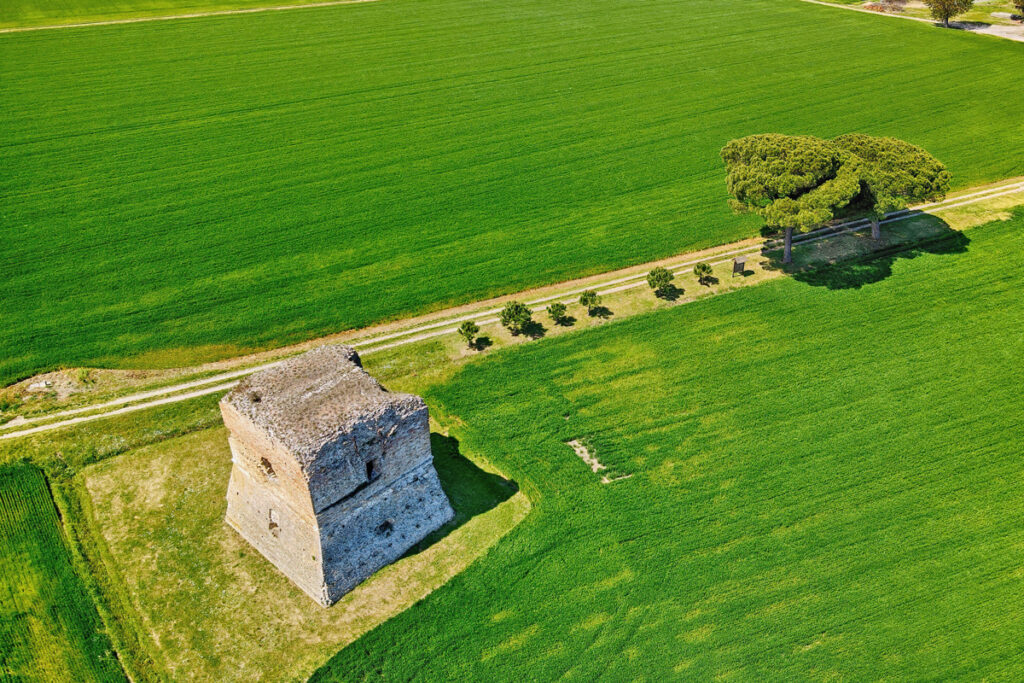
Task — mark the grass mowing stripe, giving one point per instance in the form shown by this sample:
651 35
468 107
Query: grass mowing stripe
49 628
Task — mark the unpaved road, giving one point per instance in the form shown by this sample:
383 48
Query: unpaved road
370 344
997 30
191 15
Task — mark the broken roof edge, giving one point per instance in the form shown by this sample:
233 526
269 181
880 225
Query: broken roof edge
308 401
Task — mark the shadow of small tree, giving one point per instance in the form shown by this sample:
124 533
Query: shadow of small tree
876 266
470 490
710 280
534 330
669 293
481 343
566 321
600 312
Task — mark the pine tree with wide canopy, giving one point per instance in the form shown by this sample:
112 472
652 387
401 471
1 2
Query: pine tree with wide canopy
794 182
894 174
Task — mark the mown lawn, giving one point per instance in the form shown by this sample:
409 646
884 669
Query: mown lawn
826 486
186 190
49 628
15 13
200 592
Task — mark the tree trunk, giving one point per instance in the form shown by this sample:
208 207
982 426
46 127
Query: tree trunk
945 21
787 254
876 229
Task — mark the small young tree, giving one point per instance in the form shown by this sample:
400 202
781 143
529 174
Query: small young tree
590 300
516 316
894 174
660 280
468 331
703 272
556 312
947 9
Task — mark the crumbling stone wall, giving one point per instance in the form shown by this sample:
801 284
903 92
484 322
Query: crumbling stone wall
332 475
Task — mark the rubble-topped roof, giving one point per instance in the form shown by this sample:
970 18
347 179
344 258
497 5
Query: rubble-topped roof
307 401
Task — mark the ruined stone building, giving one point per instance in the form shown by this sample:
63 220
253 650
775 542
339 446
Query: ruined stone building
332 476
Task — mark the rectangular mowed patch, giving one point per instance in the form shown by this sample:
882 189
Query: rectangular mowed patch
212 608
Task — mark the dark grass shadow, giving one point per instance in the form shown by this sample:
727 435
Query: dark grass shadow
482 343
565 321
534 329
470 490
669 293
966 25
709 281
600 312
871 261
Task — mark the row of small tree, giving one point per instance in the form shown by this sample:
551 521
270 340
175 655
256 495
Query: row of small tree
517 317
794 182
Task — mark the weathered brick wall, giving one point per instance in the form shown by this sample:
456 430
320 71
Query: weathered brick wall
377 526
392 442
272 526
332 475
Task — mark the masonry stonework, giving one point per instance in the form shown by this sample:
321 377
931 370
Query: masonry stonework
332 476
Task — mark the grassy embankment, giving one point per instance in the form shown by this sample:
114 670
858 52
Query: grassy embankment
181 191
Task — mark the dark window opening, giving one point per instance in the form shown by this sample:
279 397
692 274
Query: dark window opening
385 529
372 470
267 468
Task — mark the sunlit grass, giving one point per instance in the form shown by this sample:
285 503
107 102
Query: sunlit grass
175 191
826 485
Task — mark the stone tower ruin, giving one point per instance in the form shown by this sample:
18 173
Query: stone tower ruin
332 476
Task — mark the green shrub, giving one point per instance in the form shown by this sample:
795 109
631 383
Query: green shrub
516 316
660 280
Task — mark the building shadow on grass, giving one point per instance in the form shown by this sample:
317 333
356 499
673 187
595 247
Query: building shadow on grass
471 490
853 260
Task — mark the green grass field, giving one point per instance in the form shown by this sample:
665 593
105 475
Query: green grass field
49 628
19 13
826 486
194 189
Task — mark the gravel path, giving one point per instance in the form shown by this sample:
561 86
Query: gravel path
380 342
192 15
998 30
